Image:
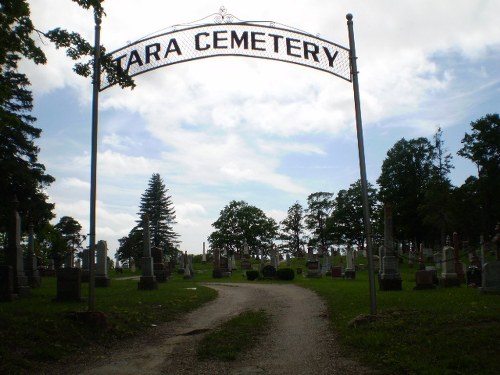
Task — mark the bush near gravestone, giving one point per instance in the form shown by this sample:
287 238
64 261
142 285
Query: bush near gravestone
269 271
252 274
285 274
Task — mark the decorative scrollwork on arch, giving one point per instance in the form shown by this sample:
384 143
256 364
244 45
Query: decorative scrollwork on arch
223 16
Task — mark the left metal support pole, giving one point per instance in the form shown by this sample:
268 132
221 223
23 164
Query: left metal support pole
93 158
362 166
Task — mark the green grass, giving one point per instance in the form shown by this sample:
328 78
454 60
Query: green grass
233 337
441 331
36 329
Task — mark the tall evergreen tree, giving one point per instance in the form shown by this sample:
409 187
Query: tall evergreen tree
158 205
22 176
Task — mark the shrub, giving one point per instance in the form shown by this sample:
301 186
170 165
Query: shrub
269 271
285 274
217 273
252 274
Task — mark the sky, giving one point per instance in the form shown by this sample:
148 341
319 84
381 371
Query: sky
265 132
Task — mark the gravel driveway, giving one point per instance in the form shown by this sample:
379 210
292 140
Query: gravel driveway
298 342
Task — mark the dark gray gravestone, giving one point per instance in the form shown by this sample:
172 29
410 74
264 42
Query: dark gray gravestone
101 274
159 268
424 279
69 285
389 278
6 283
31 264
14 254
148 279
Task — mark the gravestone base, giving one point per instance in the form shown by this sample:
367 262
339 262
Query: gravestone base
350 274
7 284
69 288
394 283
148 283
448 282
102 281
424 280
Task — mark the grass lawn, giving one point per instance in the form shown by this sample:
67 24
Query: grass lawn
36 329
441 331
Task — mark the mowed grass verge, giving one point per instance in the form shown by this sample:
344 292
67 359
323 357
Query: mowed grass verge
233 337
37 330
441 331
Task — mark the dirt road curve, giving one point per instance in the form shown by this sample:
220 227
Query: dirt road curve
299 341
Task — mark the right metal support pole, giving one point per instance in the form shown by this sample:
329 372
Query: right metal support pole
362 166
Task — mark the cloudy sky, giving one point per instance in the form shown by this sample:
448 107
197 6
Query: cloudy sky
266 132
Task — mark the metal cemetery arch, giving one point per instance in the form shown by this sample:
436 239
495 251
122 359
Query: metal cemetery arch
265 40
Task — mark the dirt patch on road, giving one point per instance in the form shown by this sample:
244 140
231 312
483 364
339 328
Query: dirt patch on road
298 341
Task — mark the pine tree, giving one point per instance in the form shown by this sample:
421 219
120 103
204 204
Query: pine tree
158 205
22 176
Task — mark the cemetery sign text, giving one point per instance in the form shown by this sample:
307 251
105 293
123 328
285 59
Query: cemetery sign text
232 39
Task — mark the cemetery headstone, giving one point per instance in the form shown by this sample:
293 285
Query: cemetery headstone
245 261
188 269
491 270
132 265
101 273
203 256
288 260
31 264
389 278
159 267
313 269
148 279
350 272
326 266
69 285
424 279
233 263
459 267
85 266
216 253
438 256
14 254
448 275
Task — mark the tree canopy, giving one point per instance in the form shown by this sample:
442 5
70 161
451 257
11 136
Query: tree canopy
239 222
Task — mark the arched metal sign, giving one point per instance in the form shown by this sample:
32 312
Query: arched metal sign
232 39
265 40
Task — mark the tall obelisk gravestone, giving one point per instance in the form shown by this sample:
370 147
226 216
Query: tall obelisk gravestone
390 278
31 262
15 254
148 279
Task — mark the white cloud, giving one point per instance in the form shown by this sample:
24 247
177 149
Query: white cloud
228 123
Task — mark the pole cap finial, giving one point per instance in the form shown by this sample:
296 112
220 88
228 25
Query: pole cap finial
349 16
